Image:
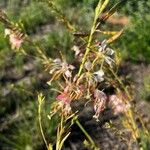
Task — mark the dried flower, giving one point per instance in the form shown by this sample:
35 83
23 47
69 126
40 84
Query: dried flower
100 99
118 105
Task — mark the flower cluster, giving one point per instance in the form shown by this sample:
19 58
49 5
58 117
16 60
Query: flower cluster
87 83
58 67
64 101
70 91
117 103
85 86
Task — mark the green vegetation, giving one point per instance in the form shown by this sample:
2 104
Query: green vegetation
19 86
138 30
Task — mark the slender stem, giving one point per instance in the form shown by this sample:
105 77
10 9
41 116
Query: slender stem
85 133
40 124
129 114
87 48
100 7
121 83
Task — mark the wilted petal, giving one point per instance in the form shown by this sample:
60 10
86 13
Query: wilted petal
64 103
99 102
98 108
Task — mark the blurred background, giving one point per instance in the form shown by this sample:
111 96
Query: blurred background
22 76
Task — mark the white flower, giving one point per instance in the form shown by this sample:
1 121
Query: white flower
98 76
109 51
7 32
52 70
76 50
102 46
68 70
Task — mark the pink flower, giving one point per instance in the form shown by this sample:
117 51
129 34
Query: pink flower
15 41
118 105
99 102
64 97
64 102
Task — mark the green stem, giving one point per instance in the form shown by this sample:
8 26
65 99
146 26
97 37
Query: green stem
87 49
121 83
129 114
85 133
99 9
40 124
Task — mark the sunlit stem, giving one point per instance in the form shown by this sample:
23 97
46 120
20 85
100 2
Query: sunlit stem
40 100
99 9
